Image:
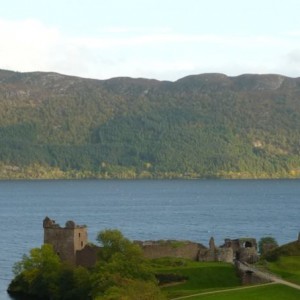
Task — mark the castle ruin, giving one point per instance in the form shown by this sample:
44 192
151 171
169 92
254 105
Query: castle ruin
71 244
66 241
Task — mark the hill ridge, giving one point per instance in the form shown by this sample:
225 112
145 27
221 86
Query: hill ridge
205 125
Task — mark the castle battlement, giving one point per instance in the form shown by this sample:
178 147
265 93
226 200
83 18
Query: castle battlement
48 223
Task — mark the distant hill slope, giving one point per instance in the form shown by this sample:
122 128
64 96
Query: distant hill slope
208 125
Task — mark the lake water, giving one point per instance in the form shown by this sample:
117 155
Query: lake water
146 209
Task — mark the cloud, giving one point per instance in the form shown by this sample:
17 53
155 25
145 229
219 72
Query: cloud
30 45
134 30
26 44
292 60
294 56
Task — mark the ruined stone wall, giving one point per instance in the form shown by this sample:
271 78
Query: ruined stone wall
248 255
225 255
216 254
232 249
233 244
244 249
87 257
249 277
208 255
179 249
62 241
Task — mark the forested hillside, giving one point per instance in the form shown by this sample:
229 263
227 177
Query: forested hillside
209 125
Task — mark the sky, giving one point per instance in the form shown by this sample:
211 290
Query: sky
160 39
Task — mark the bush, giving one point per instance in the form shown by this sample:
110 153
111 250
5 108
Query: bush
266 244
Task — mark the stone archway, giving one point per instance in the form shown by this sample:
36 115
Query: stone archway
247 244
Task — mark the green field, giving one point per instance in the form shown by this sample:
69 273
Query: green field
268 292
201 276
287 267
217 279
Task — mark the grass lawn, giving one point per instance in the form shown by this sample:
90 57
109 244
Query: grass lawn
201 276
288 267
268 292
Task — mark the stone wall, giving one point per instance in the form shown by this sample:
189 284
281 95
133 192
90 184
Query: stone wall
250 276
182 249
243 249
87 257
225 255
216 254
248 255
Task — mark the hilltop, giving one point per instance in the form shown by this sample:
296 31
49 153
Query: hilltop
208 125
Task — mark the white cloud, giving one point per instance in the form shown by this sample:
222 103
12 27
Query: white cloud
26 44
294 56
30 45
134 30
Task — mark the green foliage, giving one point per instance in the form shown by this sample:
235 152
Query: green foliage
266 241
290 249
43 275
38 274
75 283
121 265
200 126
115 244
42 258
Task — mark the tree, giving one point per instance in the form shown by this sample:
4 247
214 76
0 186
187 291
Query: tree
121 265
266 244
42 274
113 242
75 283
38 274
120 255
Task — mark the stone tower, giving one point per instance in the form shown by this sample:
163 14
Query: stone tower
65 240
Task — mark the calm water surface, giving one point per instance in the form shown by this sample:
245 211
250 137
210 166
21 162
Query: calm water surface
159 209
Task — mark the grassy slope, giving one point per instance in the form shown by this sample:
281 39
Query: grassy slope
212 276
270 292
288 267
202 277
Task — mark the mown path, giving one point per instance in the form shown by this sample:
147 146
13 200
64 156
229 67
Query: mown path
222 291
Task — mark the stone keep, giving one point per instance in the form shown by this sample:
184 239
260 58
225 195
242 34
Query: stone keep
66 241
